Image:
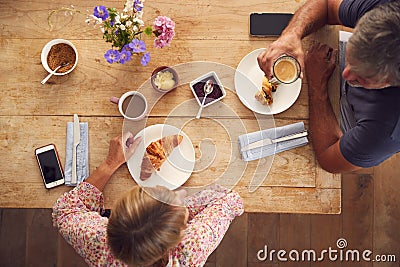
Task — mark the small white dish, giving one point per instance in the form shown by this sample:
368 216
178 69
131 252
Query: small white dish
204 79
46 50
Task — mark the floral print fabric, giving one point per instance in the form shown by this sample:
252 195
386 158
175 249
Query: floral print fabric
77 216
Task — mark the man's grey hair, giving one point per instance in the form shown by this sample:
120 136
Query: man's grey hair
375 43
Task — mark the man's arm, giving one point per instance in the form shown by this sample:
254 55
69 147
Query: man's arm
308 18
325 130
312 16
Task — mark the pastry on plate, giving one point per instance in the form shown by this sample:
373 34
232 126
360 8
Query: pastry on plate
157 153
264 95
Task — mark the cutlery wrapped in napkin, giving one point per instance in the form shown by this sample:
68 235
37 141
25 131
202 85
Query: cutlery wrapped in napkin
273 133
82 154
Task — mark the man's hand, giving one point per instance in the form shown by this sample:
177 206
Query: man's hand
320 63
119 151
288 44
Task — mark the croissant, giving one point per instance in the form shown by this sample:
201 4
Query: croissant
264 95
156 154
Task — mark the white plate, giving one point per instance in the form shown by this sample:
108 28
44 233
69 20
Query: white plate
176 170
248 80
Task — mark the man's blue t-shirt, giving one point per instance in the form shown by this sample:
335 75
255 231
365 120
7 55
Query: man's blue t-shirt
375 134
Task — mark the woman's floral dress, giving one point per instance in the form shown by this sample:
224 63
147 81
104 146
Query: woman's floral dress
77 215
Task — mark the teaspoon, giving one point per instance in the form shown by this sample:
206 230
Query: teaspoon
53 72
208 88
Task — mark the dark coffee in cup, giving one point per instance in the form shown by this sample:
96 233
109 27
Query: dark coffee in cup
132 105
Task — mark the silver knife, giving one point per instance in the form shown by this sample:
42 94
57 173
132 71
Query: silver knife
77 140
269 141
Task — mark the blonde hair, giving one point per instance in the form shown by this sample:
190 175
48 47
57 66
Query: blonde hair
141 229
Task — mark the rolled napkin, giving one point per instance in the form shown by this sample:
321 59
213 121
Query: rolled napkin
82 154
272 133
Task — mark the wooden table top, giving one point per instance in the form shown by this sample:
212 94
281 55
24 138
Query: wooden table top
32 114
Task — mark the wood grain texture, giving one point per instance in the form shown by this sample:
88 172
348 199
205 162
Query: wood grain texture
358 208
67 256
295 238
233 249
32 114
290 172
39 235
263 230
325 231
13 236
387 211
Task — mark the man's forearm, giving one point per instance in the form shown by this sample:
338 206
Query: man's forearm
310 17
324 127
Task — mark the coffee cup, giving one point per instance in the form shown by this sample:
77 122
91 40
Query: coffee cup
132 105
286 69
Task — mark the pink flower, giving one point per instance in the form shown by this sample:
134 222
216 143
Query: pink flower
164 29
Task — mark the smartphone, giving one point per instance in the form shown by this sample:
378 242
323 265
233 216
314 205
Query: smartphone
268 24
50 166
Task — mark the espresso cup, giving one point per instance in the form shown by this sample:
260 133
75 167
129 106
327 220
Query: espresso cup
286 69
132 105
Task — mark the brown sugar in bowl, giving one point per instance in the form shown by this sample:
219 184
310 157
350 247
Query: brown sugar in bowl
57 52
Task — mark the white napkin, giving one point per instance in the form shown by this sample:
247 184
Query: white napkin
272 133
82 154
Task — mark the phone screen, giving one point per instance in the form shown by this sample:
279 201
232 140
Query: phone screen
49 165
268 24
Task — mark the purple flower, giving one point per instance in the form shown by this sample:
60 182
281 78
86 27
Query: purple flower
112 56
100 12
124 56
145 59
137 5
126 48
137 46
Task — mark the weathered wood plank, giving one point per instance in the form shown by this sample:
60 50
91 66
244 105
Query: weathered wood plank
265 199
101 130
74 93
233 249
358 210
291 200
41 242
67 256
294 234
387 211
289 168
325 231
194 19
13 236
263 230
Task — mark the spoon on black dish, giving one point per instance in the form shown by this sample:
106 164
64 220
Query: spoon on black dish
208 88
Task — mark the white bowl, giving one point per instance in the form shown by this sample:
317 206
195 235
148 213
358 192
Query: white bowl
204 78
45 52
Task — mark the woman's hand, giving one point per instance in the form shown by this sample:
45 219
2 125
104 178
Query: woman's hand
121 149
288 44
